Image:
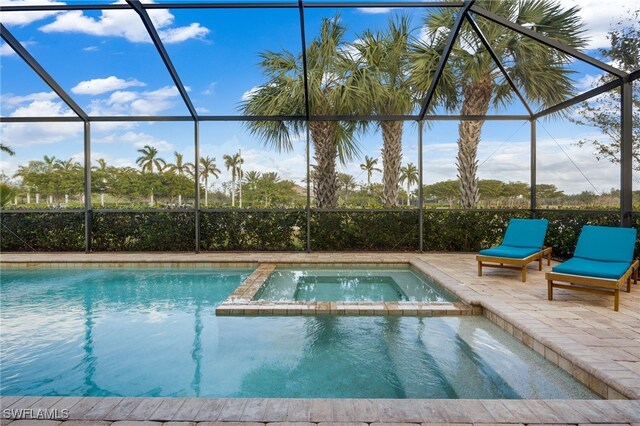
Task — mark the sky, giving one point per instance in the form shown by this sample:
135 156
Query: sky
107 63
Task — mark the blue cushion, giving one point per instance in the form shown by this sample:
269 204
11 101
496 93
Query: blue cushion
605 243
526 233
510 252
592 268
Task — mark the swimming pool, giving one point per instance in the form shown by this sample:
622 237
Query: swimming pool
150 332
351 284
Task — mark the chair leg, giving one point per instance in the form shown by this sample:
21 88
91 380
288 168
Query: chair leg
524 274
616 299
629 285
540 263
549 258
479 268
549 289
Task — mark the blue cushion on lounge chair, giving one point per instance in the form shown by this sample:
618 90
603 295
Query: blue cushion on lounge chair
607 244
526 233
592 268
510 252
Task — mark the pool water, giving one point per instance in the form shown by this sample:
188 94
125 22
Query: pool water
352 284
147 332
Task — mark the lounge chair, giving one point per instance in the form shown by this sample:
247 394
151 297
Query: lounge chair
601 263
521 245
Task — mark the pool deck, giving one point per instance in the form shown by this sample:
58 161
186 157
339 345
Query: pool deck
579 332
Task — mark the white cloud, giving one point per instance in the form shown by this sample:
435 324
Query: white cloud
135 103
138 140
598 16
25 18
19 135
249 94
210 90
10 100
97 86
6 50
90 49
374 10
126 24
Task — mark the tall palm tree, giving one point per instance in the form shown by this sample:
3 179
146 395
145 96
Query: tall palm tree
208 168
409 174
472 81
149 161
234 163
7 149
101 169
328 79
383 57
369 166
180 167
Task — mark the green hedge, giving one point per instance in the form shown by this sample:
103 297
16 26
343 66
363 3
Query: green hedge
253 230
364 230
39 231
459 230
397 230
143 231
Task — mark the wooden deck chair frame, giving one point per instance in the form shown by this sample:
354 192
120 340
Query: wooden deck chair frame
514 263
594 285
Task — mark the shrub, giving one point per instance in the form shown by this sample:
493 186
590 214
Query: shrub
144 231
50 231
364 230
259 230
460 230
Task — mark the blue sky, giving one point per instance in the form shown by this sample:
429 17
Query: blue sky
105 61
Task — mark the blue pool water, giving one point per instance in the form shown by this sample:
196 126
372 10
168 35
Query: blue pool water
351 284
151 332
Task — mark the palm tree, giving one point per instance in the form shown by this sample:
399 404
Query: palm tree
180 167
284 94
383 58
472 81
101 171
208 168
409 174
7 149
369 166
148 160
251 178
234 163
49 163
271 177
347 182
66 165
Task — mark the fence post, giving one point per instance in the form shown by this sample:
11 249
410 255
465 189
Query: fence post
533 196
88 212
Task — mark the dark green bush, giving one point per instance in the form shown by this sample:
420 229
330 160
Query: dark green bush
364 230
459 230
144 231
253 230
50 231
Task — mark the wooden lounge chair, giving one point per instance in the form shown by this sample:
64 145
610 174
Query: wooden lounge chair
521 245
601 263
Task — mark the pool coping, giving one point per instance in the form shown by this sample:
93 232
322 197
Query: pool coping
306 412
603 382
241 303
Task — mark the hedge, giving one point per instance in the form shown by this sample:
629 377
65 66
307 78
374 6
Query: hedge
364 230
263 230
42 231
253 230
144 231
